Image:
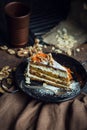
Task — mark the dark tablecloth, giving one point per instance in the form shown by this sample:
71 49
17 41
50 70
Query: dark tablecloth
21 112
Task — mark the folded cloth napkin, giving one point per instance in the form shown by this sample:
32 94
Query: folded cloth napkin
21 112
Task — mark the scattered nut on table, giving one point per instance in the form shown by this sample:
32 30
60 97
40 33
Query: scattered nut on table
37 40
9 81
53 48
11 51
1 75
78 50
65 41
6 68
58 51
45 46
3 47
14 68
22 53
1 90
5 72
21 49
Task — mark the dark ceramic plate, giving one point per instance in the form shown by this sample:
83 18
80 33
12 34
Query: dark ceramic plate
37 91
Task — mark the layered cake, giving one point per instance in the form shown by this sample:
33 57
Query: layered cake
42 67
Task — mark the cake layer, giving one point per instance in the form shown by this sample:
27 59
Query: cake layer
48 70
48 77
49 82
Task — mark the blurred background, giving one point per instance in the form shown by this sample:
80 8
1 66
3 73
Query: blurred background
45 14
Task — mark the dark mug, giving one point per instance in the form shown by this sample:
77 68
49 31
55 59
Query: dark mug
18 17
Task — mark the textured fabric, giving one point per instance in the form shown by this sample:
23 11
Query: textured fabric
20 112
